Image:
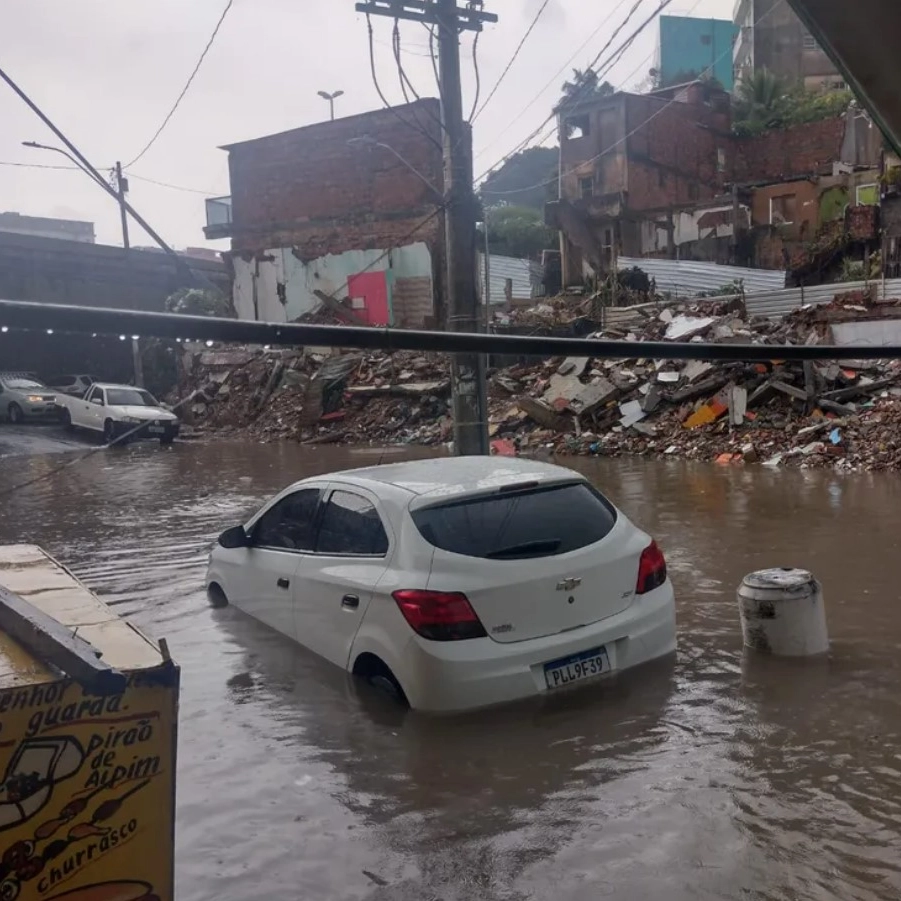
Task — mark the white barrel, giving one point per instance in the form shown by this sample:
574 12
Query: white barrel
782 613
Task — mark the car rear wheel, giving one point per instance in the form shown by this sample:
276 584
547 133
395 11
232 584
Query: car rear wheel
216 596
376 672
66 419
15 414
166 440
109 431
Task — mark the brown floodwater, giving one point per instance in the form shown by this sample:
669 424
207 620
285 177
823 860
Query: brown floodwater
714 776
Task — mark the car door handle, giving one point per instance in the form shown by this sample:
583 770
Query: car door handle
350 602
283 583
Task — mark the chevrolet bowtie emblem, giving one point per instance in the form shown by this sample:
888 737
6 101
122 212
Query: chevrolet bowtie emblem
568 584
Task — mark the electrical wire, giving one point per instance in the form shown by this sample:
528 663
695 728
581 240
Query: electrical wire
39 166
478 77
509 65
395 46
630 134
188 84
378 88
165 184
553 79
562 108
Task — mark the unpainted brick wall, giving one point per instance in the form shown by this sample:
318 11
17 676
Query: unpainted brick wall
311 189
788 153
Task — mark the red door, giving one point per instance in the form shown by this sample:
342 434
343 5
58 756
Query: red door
372 289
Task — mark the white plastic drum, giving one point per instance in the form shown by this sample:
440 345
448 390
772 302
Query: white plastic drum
782 613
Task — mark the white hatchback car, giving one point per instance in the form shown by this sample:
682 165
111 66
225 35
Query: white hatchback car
458 582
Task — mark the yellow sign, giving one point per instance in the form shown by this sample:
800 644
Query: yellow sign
87 790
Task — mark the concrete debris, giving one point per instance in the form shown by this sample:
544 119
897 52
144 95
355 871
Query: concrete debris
815 415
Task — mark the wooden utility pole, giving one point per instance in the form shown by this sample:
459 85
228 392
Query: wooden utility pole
121 191
470 406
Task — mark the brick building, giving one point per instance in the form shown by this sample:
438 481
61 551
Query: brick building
337 207
662 175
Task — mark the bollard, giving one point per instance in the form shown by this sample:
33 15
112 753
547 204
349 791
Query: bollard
782 613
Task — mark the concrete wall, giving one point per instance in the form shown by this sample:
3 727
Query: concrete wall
96 275
46 227
285 283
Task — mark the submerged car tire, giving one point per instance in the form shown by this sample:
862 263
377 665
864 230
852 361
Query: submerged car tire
66 419
15 415
166 440
216 596
376 672
109 433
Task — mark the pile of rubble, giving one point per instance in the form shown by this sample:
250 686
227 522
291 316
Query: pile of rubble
775 412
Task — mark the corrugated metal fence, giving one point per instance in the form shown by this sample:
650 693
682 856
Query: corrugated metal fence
689 277
770 304
774 304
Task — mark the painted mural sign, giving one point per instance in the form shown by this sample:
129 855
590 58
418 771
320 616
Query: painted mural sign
87 790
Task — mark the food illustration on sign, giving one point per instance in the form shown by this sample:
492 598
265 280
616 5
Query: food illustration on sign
36 767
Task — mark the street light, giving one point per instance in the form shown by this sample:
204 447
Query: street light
369 141
36 146
331 98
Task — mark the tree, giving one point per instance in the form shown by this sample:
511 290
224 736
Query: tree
527 179
585 85
518 231
764 101
200 302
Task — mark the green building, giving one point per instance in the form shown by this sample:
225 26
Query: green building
694 48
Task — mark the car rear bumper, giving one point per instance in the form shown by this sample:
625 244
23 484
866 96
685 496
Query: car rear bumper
444 677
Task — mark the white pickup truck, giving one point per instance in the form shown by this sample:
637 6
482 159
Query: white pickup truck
119 412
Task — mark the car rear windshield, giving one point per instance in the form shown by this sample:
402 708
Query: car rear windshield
129 397
519 525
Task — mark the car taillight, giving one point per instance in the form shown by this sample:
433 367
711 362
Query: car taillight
651 569
439 615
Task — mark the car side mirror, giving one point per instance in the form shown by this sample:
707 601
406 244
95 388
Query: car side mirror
234 538
97 400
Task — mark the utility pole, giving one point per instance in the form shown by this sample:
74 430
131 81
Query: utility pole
121 191
470 405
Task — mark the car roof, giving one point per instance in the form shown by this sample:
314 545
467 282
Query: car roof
454 477
114 385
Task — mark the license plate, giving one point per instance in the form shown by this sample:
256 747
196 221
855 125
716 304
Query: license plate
576 668
156 430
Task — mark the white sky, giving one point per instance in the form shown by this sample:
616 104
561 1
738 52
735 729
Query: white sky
108 71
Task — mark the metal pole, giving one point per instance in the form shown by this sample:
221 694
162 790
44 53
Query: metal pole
487 275
83 162
122 190
470 405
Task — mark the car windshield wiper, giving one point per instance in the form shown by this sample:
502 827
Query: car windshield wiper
536 548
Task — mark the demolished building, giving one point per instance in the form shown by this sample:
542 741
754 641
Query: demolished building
349 209
663 175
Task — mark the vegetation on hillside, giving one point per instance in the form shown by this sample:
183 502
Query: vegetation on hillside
764 101
518 231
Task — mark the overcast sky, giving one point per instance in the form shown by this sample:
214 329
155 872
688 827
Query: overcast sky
108 71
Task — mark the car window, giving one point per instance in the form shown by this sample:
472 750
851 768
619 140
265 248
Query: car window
290 524
95 394
22 384
351 525
537 522
130 397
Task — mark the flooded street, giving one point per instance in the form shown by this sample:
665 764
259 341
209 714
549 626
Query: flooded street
712 777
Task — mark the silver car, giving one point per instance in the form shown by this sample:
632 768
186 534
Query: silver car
24 397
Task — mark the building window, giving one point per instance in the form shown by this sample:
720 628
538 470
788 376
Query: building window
720 159
706 40
808 42
576 126
586 187
867 195
783 209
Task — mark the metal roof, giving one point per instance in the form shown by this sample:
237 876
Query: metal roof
525 275
688 278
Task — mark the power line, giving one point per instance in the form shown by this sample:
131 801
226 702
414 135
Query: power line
478 76
188 84
562 108
165 184
39 166
634 131
513 58
558 73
